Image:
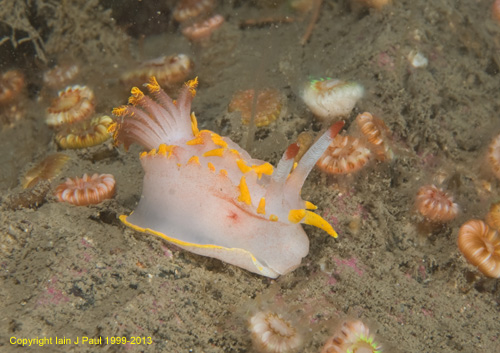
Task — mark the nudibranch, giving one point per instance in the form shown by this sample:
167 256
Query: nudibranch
205 194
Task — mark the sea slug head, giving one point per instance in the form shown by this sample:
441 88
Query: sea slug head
205 194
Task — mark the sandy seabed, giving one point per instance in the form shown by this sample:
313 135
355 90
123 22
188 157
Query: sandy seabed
77 272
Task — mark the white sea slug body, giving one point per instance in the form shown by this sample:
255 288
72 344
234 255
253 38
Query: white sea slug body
205 194
329 99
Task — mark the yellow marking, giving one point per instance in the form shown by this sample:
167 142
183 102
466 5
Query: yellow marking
170 150
165 150
244 192
136 96
143 154
191 85
120 111
153 85
232 150
242 165
179 165
311 218
152 152
316 220
295 216
218 152
294 165
194 125
193 160
261 209
162 149
311 206
217 139
136 92
112 127
211 167
198 140
273 218
223 172
265 168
